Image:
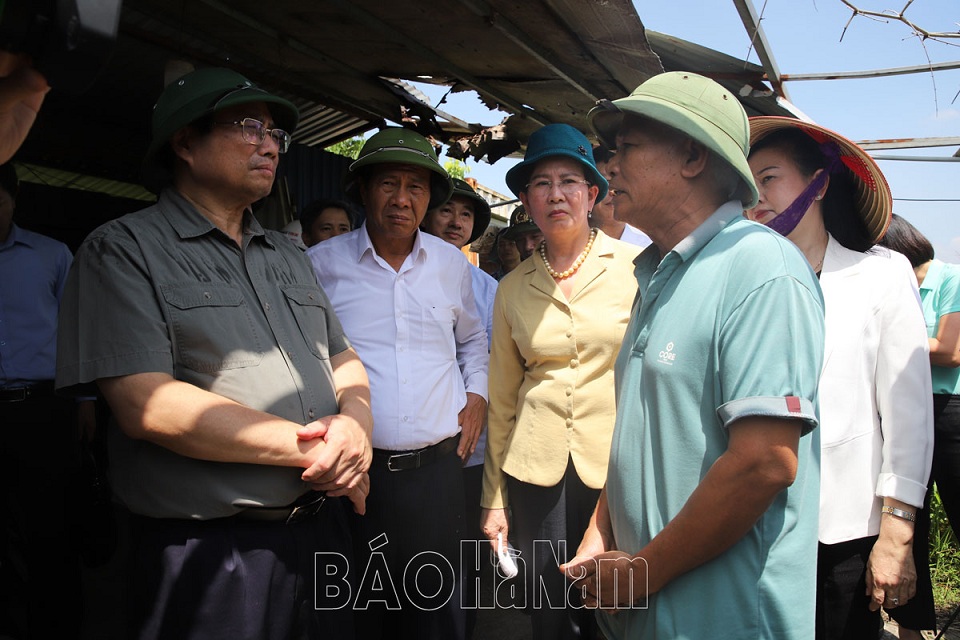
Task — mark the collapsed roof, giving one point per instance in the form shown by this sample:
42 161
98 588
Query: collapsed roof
347 63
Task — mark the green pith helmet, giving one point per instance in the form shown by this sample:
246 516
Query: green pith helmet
396 145
694 105
520 223
481 210
198 94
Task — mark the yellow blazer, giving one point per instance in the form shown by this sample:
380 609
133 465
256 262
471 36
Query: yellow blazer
551 370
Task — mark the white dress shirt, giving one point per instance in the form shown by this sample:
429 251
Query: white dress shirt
416 330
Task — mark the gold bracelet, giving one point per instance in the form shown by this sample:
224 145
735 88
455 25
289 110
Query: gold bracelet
899 513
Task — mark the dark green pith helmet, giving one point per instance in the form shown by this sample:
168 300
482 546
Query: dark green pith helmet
196 95
396 145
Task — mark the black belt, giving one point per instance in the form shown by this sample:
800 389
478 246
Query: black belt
304 508
414 459
19 394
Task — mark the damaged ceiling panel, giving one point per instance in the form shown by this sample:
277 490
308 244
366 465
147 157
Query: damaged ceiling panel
345 63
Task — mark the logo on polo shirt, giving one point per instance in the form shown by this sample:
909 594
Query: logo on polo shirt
667 356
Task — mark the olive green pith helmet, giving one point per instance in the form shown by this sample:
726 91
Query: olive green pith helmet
694 105
396 145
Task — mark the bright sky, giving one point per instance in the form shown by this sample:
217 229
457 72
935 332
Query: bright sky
805 38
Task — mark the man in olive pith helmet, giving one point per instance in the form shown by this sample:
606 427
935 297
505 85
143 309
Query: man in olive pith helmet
406 301
707 524
240 410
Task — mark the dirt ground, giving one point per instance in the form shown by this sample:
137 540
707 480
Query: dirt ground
890 630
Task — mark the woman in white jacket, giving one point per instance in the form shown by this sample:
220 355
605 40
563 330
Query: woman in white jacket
829 197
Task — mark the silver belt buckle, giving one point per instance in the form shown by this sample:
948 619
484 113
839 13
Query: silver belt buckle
400 456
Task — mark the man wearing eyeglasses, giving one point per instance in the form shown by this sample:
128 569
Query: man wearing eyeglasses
240 411
406 299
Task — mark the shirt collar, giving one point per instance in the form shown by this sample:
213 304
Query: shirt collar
932 279
17 236
708 229
365 245
190 223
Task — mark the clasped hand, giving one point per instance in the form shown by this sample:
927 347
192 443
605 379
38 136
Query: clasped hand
609 581
341 465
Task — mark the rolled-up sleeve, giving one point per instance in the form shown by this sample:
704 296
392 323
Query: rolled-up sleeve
771 353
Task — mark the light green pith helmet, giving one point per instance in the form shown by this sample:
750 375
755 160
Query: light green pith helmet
400 146
694 105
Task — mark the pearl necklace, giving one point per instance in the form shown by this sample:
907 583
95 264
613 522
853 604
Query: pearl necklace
563 275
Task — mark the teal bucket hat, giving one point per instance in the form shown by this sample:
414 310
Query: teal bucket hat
694 105
396 145
551 141
196 95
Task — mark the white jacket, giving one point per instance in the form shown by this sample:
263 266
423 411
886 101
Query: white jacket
876 402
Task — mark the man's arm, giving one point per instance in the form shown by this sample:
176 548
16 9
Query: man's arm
760 462
199 424
22 90
342 466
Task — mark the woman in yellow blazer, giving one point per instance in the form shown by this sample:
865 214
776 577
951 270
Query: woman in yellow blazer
558 322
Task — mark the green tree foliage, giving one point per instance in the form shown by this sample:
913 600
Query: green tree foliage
456 169
349 148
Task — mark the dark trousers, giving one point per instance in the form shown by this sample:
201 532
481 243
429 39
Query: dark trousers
946 454
472 488
39 559
407 549
842 605
235 579
945 472
556 518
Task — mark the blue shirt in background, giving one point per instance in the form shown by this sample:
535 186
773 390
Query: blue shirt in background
33 270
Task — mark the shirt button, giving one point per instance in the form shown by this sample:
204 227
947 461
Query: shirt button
311 413
569 422
569 391
206 294
406 419
569 334
574 363
290 355
267 306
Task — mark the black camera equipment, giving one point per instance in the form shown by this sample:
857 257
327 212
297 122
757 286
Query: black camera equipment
69 41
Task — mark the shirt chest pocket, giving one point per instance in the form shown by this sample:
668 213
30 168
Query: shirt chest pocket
309 309
212 328
438 324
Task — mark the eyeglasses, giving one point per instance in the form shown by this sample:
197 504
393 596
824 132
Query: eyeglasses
255 132
567 186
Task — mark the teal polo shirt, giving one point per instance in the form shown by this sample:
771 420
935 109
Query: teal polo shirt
730 324
940 295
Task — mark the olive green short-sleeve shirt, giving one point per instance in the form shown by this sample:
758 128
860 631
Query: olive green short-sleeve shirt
163 290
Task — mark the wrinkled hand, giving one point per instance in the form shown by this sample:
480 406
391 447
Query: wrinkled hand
609 581
493 522
341 465
891 575
471 419
358 494
22 90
